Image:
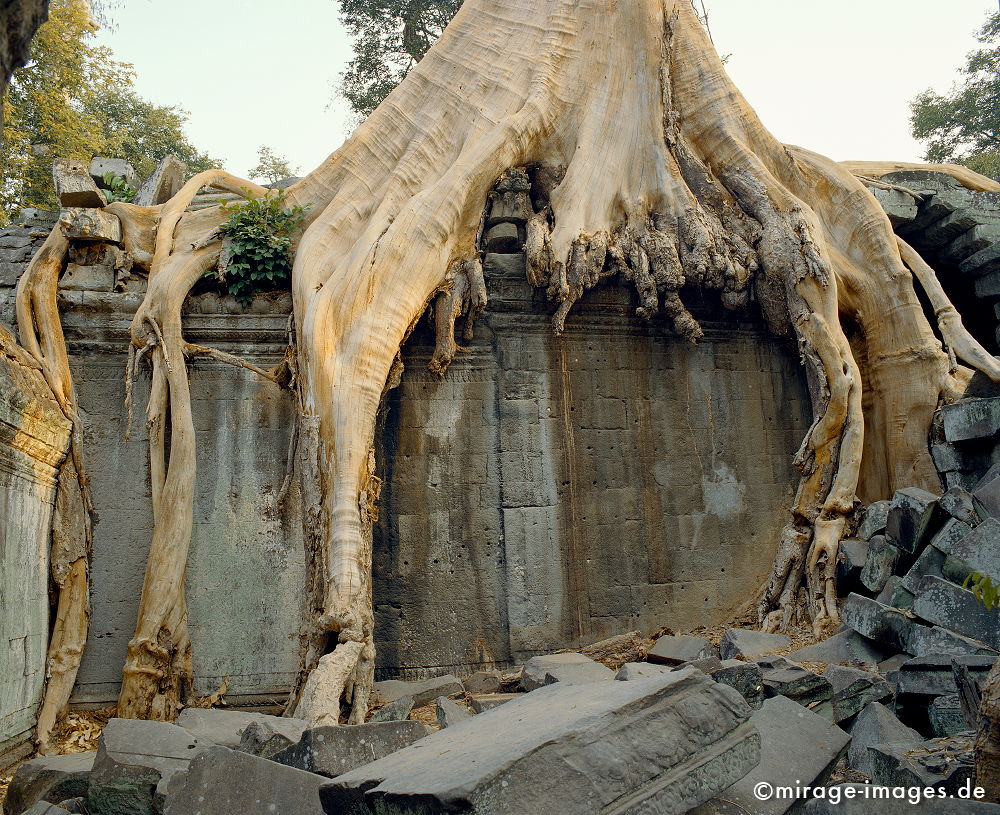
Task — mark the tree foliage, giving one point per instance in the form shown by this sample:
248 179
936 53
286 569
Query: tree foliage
271 168
963 126
391 36
74 100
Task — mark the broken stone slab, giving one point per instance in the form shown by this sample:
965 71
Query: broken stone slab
226 727
616 651
74 186
397 711
958 503
913 518
676 650
48 779
165 182
745 678
878 622
977 552
854 690
482 682
957 609
971 419
631 671
45 808
874 520
571 749
750 644
135 761
94 225
802 686
875 725
941 764
708 665
853 555
880 563
331 751
220 781
952 532
927 640
945 716
488 701
798 748
934 675
986 494
261 739
100 165
449 712
422 692
570 669
503 239
845 647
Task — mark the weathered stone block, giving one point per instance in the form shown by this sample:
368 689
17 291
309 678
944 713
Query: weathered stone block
845 647
930 562
899 206
854 689
912 518
488 701
928 640
449 713
90 225
983 265
952 532
421 692
332 751
396 711
749 644
499 266
878 622
565 749
876 724
503 239
745 678
226 727
853 555
958 503
163 184
48 779
880 563
971 419
798 748
570 669
262 740
934 675
802 686
512 207
977 552
88 278
957 609
874 520
224 782
483 682
631 671
945 716
100 165
135 761
74 186
675 650
941 764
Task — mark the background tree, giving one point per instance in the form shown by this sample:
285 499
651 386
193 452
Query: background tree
271 168
74 100
19 19
963 126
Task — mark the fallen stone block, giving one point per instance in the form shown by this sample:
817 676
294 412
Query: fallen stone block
616 651
945 716
48 779
90 225
100 165
749 644
74 186
854 690
226 727
952 532
930 562
489 701
845 647
482 682
640 670
422 692
874 520
135 761
44 808
957 609
331 751
261 739
799 748
165 182
853 555
928 640
449 713
802 686
986 494
220 781
571 669
397 711
875 725
934 675
745 678
707 665
880 563
913 518
574 750
977 552
958 503
945 764
675 650
971 419
871 619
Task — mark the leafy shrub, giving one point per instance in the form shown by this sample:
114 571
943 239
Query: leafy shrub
258 240
985 590
118 189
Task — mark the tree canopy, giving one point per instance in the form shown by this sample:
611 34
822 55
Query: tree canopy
271 168
74 100
963 126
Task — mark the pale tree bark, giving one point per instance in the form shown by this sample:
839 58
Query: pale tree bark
647 163
988 738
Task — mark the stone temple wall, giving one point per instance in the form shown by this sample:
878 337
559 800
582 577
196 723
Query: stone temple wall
34 436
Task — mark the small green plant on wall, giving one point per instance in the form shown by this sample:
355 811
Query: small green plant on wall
258 235
118 189
985 590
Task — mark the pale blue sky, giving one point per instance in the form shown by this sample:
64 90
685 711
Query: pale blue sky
834 77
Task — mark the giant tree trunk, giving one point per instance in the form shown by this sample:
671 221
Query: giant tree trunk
988 739
647 163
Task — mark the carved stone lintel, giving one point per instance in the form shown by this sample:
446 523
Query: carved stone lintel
80 224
